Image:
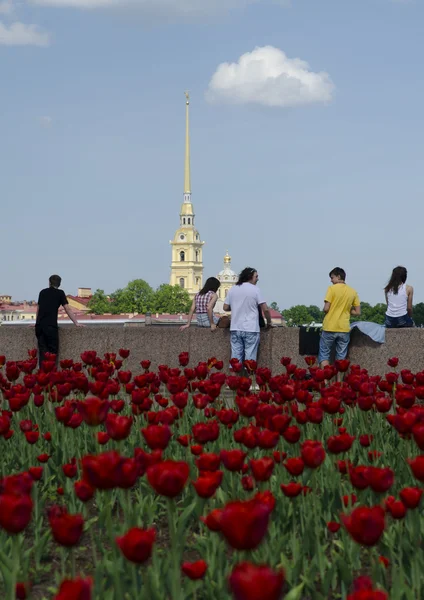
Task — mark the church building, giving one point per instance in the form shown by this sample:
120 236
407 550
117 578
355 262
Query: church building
187 247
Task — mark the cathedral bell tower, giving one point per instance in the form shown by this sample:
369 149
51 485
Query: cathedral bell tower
187 248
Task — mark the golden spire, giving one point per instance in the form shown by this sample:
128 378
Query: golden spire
187 179
227 259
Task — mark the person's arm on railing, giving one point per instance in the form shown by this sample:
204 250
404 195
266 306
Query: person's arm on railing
267 314
190 315
211 305
71 315
410 292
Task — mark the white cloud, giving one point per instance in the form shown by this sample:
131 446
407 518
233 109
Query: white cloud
20 34
6 7
45 121
267 76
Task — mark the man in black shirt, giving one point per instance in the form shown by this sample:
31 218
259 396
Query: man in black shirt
46 329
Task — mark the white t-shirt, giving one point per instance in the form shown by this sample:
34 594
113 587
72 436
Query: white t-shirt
244 300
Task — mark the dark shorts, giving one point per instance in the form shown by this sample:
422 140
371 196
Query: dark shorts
394 322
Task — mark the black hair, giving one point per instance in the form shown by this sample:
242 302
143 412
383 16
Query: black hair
211 285
338 272
246 275
55 281
399 275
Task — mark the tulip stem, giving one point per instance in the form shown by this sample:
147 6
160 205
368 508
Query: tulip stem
73 569
176 577
15 567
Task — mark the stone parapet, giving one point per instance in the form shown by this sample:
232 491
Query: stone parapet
162 344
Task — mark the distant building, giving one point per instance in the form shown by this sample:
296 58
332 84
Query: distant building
187 247
81 300
17 311
5 299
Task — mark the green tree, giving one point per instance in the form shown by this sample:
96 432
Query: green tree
274 306
316 313
418 314
99 303
171 299
374 314
136 297
297 315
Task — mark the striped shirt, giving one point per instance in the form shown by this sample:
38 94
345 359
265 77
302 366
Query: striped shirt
202 301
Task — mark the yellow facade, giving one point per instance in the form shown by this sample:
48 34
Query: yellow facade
187 247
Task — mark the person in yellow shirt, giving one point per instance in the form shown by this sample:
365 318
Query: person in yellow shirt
340 302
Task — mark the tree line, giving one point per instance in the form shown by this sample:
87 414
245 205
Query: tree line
139 297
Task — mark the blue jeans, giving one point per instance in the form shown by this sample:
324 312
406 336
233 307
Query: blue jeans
244 345
328 340
403 321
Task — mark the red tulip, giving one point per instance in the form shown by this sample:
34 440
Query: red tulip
194 570
15 512
380 479
244 524
233 460
417 467
183 359
294 466
342 365
359 476
83 490
70 469
75 589
292 434
365 525
411 496
393 362
397 509
36 473
365 440
66 529
157 436
169 477
207 484
213 520
291 490
93 410
21 591
208 462
102 437
262 468
336 444
32 436
118 427
136 545
313 454
109 470
333 527
250 582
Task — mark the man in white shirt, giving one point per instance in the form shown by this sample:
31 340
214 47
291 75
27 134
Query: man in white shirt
244 300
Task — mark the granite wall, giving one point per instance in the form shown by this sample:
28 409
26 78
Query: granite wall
162 344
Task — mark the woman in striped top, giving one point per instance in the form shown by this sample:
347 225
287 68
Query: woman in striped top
203 305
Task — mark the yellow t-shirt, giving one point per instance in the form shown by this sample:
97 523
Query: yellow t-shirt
341 297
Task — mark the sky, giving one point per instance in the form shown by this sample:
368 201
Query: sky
306 141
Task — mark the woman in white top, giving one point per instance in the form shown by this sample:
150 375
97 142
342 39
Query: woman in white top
399 297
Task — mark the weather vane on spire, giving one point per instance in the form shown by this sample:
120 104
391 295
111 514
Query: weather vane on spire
187 95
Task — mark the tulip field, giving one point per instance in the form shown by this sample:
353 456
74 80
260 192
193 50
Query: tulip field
189 483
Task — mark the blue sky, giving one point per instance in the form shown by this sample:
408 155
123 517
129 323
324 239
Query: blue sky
297 166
